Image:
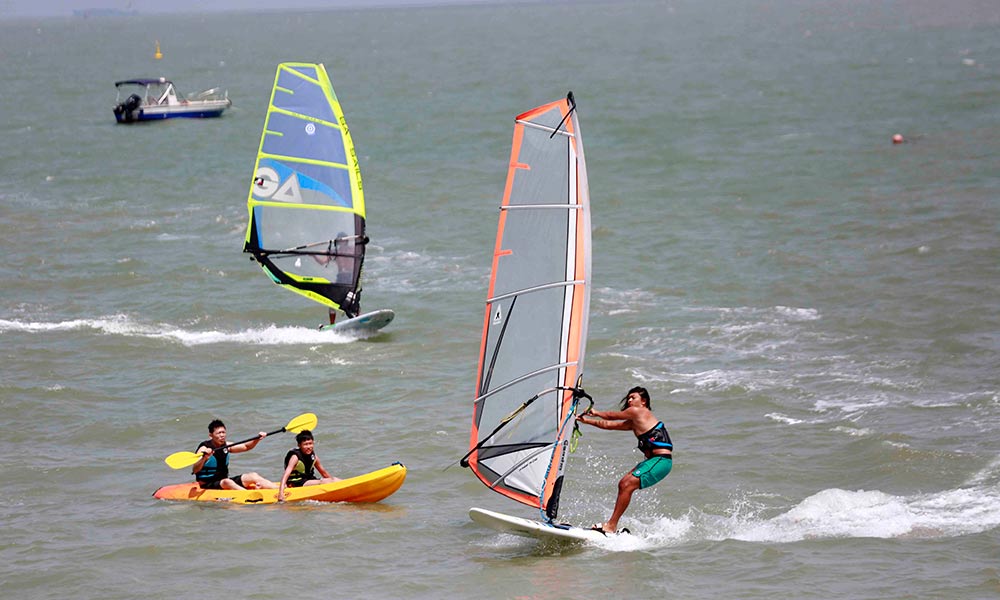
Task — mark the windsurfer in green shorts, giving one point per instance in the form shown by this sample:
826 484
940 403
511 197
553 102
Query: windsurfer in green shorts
654 441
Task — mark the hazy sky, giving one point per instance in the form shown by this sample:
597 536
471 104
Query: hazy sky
65 8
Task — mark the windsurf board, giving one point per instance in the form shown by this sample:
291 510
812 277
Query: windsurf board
536 529
362 325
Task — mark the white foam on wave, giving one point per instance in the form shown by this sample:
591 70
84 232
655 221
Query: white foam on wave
780 418
122 325
853 431
829 514
614 301
838 513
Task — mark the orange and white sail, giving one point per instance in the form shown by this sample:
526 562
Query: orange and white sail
535 325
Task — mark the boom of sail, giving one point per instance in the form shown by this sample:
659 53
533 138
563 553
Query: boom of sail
306 202
535 327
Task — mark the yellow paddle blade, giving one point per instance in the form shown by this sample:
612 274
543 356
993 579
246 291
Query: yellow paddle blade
303 421
179 460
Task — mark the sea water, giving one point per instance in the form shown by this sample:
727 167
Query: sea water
813 308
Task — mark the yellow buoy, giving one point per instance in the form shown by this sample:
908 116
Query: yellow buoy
158 54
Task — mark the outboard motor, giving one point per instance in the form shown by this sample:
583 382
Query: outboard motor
132 104
126 110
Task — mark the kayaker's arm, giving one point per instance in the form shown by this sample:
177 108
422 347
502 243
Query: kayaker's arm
294 460
321 470
249 445
206 453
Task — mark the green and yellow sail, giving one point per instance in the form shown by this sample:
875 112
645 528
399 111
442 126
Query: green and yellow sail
306 201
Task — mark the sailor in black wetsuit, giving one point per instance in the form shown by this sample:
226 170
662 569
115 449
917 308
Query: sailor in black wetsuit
654 442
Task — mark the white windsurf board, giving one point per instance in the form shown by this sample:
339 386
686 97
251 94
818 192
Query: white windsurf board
535 529
362 325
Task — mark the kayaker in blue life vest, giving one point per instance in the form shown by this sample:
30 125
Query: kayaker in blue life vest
654 442
300 463
212 469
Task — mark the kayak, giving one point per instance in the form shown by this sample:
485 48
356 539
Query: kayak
370 487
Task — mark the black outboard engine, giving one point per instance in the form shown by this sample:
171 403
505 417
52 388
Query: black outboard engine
126 110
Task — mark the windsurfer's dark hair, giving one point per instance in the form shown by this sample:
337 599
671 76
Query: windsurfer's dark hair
303 435
215 424
642 394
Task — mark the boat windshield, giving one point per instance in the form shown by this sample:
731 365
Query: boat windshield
150 92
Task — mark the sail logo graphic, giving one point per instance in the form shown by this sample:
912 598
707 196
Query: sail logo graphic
498 316
268 185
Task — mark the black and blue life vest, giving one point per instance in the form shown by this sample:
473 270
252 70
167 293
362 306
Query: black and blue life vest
656 438
215 468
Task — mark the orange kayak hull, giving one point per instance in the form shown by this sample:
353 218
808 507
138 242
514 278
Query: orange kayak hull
370 487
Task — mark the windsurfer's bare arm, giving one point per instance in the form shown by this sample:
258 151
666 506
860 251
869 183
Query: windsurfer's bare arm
602 423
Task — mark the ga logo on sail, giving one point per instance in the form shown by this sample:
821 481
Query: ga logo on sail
268 185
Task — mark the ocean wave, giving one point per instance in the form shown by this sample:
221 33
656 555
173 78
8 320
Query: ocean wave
829 514
839 513
122 325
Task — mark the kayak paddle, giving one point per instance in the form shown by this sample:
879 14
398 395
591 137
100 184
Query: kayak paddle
179 460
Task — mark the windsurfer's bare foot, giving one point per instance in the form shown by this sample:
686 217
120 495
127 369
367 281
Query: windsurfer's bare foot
603 528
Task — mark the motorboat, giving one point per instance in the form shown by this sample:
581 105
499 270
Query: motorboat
157 99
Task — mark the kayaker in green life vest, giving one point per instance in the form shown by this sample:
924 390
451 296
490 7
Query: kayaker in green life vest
301 465
212 469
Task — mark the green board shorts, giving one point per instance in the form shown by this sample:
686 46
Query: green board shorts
652 470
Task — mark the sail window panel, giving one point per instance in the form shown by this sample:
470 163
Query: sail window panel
303 97
538 423
304 139
545 180
535 246
530 465
282 228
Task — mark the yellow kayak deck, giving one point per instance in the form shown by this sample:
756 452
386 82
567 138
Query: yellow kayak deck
370 487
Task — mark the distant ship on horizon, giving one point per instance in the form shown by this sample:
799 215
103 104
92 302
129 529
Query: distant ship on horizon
104 12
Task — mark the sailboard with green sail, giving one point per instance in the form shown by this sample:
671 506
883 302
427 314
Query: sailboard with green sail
535 326
306 202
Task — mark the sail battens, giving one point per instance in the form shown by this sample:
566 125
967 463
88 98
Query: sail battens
537 288
542 371
543 128
309 118
306 161
286 205
535 323
542 206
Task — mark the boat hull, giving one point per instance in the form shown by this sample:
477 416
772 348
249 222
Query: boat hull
370 487
206 110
